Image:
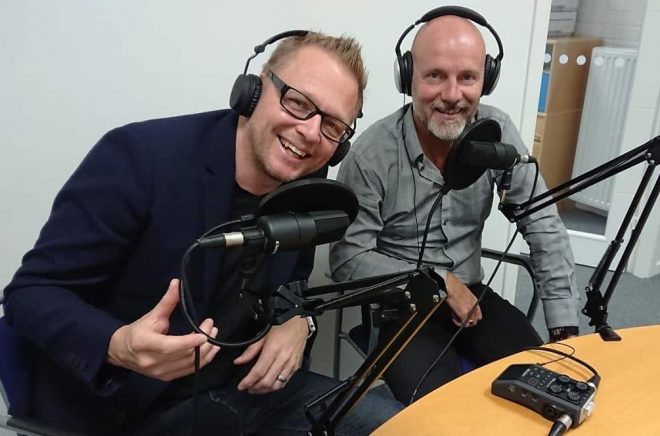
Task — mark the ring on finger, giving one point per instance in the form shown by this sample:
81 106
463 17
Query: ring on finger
281 378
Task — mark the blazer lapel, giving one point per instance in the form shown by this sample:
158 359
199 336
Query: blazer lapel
218 191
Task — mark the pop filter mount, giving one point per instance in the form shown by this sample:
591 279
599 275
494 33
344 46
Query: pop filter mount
458 174
308 195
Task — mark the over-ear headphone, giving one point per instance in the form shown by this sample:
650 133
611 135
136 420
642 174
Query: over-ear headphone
247 89
403 66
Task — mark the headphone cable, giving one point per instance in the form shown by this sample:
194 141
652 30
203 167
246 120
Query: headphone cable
481 295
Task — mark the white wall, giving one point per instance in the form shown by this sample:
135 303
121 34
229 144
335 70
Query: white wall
618 22
73 69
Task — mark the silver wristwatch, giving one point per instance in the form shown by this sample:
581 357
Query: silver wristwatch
311 326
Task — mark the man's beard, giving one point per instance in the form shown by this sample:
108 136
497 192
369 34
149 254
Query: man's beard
259 152
449 130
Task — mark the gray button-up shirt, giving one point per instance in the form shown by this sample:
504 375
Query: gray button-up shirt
396 185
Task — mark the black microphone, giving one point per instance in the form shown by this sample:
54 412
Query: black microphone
297 214
477 149
492 155
285 231
497 156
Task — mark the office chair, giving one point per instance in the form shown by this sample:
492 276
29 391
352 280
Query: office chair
363 338
15 384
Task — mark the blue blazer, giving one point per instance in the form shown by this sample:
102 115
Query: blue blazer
114 240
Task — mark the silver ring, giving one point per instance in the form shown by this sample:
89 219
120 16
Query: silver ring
471 322
281 378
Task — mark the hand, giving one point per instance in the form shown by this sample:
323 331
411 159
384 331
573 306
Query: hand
280 356
145 347
461 300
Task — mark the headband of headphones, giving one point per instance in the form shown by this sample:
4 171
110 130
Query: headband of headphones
247 89
403 64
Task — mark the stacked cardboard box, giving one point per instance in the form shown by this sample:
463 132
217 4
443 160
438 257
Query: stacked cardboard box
562 17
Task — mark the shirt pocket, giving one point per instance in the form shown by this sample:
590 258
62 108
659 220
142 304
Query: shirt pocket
471 206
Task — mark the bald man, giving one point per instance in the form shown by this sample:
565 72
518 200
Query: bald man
395 168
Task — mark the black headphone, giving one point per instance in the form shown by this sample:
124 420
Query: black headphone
247 89
403 67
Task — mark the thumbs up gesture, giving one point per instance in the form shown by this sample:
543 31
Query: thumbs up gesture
145 347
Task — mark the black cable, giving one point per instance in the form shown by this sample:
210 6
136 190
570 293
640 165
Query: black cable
481 295
412 173
438 199
188 308
425 235
560 425
463 324
562 357
220 227
193 426
184 296
595 379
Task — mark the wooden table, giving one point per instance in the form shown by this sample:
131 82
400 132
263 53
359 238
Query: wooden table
627 400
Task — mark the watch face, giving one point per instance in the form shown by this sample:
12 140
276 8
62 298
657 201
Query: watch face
310 325
558 333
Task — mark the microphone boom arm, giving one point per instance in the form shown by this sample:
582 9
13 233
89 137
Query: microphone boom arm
424 293
596 305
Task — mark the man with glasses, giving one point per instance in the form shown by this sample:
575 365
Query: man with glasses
299 106
97 296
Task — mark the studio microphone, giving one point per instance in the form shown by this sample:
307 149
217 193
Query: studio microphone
285 231
493 155
302 213
496 156
478 149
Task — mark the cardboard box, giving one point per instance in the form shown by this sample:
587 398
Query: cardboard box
565 5
561 27
563 15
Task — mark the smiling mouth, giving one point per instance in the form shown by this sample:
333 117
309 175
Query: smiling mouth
292 149
454 111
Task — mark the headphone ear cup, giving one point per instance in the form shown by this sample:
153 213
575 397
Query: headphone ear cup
491 74
406 73
340 153
397 74
245 94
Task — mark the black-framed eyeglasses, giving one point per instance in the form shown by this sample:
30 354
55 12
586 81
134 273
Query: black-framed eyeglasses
301 107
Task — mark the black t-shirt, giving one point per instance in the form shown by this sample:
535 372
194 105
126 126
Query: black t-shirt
231 309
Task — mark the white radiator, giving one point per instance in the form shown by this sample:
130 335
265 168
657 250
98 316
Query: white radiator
603 119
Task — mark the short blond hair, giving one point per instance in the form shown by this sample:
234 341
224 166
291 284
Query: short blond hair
345 48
